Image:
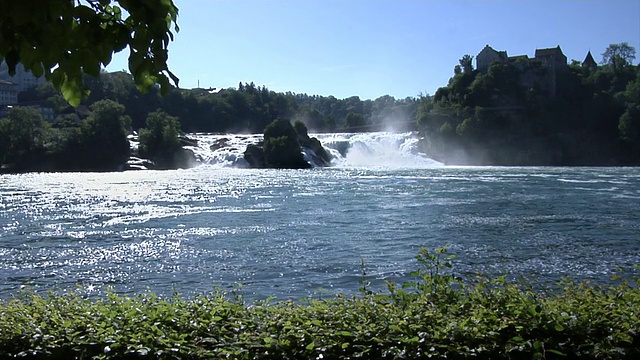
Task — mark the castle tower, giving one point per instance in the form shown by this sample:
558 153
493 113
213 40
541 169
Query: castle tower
589 62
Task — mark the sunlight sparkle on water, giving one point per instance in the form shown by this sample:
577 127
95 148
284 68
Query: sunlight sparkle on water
293 233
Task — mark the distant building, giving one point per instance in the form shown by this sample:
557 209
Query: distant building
23 79
487 56
552 57
203 91
519 61
553 60
11 86
8 93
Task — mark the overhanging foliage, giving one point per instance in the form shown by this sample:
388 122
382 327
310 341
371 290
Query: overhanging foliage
63 40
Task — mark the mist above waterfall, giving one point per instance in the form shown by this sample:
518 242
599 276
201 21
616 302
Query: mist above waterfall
359 150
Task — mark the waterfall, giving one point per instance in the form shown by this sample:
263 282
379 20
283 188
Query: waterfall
376 149
223 150
358 150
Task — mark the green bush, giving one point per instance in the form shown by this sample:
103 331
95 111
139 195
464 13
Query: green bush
436 316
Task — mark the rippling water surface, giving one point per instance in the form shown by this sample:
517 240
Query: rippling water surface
298 233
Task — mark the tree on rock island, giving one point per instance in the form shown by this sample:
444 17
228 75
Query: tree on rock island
63 39
160 141
280 148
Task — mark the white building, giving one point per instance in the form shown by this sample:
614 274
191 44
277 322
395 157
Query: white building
8 93
23 79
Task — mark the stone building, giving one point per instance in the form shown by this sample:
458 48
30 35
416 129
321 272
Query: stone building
8 93
552 58
488 55
538 72
553 61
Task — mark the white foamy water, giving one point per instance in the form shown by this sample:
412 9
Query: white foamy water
364 150
377 150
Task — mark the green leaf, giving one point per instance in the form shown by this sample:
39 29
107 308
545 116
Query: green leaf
516 339
556 352
71 91
37 70
311 346
344 333
164 84
84 13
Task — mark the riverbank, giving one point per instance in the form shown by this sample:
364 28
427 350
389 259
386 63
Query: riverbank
437 316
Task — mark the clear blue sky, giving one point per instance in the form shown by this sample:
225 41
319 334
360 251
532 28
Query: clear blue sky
371 48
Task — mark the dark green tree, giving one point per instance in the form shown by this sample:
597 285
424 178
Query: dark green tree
301 129
160 141
20 136
355 121
5 140
619 55
467 63
104 135
629 124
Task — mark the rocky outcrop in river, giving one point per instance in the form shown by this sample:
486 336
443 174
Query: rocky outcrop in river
287 146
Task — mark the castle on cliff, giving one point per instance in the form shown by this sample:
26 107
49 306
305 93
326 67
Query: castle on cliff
541 71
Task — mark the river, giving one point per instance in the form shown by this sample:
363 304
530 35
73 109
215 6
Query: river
300 233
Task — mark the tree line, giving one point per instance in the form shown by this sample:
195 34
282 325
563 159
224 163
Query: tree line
245 108
99 142
93 135
495 117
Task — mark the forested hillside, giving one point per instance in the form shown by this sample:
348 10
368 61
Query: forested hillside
93 136
513 113
246 108
492 118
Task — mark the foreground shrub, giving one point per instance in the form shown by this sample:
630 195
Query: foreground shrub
437 316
